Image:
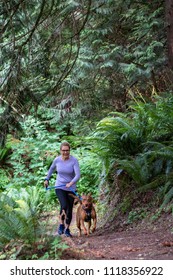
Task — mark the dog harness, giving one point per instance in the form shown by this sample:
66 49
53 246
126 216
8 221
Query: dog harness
88 214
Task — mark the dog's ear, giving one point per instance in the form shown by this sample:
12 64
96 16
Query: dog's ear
94 200
90 196
76 201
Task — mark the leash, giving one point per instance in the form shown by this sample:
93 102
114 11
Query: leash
57 187
54 187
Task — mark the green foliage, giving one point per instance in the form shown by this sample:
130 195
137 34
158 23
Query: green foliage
90 167
140 143
4 153
33 153
136 215
89 52
148 53
116 137
72 62
55 250
19 216
24 230
4 157
4 179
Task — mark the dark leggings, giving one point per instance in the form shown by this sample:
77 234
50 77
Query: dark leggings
66 203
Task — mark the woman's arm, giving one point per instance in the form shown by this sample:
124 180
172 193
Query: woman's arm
77 174
51 170
76 171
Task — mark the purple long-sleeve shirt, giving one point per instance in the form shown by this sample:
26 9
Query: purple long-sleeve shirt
67 171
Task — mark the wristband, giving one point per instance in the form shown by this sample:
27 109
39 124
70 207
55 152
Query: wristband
46 179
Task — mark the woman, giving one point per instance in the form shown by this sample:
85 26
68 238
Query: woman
68 173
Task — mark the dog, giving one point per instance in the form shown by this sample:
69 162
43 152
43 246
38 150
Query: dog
85 214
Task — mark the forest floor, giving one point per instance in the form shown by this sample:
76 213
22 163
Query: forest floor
121 241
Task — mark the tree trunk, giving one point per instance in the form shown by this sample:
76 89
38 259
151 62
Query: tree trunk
169 25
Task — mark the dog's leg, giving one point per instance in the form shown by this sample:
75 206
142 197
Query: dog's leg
89 226
78 223
94 224
79 227
83 227
79 233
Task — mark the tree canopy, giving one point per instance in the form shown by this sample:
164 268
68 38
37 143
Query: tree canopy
82 54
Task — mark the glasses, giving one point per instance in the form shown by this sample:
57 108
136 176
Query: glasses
65 151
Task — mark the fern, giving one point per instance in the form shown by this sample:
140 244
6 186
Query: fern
168 195
19 218
140 143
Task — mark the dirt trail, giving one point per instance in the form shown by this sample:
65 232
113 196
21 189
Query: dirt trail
143 241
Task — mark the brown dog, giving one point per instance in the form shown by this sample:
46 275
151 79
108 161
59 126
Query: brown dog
85 213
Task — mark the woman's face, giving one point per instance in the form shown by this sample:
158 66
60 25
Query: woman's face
65 152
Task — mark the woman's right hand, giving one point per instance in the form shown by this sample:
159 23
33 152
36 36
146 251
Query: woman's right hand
46 183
